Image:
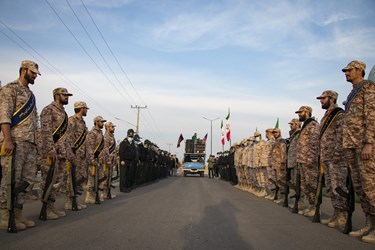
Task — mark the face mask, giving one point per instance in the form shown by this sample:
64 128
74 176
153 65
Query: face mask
257 139
130 139
137 142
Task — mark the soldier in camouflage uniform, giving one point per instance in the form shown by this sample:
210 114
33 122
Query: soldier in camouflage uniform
76 138
307 157
255 162
109 146
54 126
332 157
265 162
17 130
95 158
278 162
358 140
295 129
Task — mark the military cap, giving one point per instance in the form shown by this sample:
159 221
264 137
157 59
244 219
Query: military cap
276 130
329 93
257 133
109 124
294 120
26 64
147 142
355 65
269 129
130 132
62 91
304 108
80 104
99 119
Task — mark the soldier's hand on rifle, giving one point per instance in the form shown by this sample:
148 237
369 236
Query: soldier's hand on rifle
93 170
7 147
52 155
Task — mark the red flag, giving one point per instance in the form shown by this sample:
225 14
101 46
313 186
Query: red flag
204 139
180 139
222 133
228 125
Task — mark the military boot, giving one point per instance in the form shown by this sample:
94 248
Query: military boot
370 238
5 219
340 220
364 230
90 199
101 196
332 218
21 219
51 207
310 211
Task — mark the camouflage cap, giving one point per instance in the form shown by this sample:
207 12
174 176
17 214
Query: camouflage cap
80 104
269 129
62 91
109 124
26 64
257 133
276 130
329 93
355 65
294 120
99 119
304 108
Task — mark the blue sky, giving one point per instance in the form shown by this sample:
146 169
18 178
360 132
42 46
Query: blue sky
187 60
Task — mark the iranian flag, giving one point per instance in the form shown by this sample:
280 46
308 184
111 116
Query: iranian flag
227 126
222 133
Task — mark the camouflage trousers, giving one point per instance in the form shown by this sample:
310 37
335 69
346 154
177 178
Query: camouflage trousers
363 176
261 176
271 178
80 176
91 177
309 180
59 175
25 170
335 177
240 174
280 177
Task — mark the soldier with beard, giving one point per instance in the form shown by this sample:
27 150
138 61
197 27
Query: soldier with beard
307 157
278 162
18 129
109 146
54 126
95 159
332 157
358 141
76 138
295 129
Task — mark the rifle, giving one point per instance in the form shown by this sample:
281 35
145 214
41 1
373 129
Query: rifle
73 185
287 180
318 195
297 189
276 189
47 189
12 192
109 181
350 200
97 182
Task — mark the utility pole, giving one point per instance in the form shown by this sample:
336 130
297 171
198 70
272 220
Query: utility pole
211 120
138 108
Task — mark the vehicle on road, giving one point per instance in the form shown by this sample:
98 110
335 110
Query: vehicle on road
194 157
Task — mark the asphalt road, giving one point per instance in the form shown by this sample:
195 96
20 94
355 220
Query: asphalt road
182 213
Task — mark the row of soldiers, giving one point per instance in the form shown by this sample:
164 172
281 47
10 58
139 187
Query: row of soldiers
338 148
69 156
